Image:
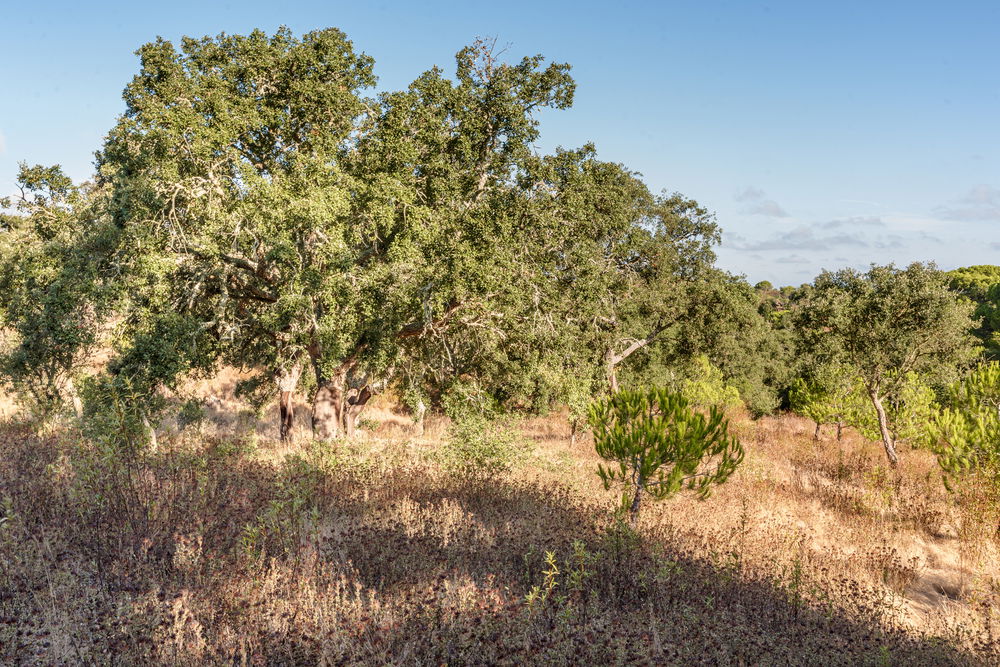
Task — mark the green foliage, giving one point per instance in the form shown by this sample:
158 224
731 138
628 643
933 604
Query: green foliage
910 410
723 321
116 415
480 449
974 281
988 313
706 388
52 303
966 433
981 285
887 324
286 219
809 398
660 445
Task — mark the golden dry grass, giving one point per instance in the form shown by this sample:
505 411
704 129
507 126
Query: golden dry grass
227 547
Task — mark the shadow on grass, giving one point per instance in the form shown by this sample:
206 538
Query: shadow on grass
211 557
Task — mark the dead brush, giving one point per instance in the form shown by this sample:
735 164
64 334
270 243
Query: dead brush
370 554
892 569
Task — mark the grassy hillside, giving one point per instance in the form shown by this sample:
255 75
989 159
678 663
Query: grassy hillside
224 547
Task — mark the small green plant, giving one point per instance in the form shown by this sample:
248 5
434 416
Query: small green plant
479 449
661 445
539 594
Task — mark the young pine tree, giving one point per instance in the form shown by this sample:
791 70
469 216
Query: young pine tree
659 445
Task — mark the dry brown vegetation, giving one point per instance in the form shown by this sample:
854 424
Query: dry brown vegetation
228 548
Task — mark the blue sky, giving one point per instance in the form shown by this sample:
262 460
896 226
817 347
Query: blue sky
823 134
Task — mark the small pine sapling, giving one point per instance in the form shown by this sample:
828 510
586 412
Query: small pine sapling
659 445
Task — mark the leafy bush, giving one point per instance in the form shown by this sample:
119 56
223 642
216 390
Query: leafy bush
705 387
661 445
966 433
116 415
480 449
826 396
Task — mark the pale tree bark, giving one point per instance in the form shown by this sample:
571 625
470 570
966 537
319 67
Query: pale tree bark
151 432
352 410
816 434
883 426
612 359
328 408
288 381
611 371
74 398
337 406
421 412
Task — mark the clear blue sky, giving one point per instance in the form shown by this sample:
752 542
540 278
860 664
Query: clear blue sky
824 134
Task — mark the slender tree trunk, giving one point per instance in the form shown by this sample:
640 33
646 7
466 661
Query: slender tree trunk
287 383
816 434
74 398
611 360
151 432
574 425
840 429
883 426
420 414
633 511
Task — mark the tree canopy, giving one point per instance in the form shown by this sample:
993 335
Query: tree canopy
266 214
887 323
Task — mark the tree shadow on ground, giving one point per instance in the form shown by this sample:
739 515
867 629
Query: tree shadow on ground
440 572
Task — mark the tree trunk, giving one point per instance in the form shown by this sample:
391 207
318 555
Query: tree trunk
287 382
328 409
355 404
151 432
74 398
816 434
611 360
611 371
883 427
634 509
840 429
574 425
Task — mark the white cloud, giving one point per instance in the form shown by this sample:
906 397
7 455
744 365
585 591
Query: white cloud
750 193
767 207
981 203
758 204
799 238
854 222
792 259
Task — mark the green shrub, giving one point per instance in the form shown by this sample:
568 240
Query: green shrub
480 449
966 433
706 387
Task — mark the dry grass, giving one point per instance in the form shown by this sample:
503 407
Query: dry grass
227 548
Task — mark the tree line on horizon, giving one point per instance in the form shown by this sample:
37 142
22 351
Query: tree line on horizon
256 206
